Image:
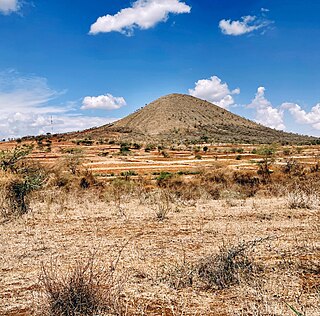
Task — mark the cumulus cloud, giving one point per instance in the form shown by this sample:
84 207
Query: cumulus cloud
246 24
301 116
266 114
143 14
103 102
27 105
214 91
9 6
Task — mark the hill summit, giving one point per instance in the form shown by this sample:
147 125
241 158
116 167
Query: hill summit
177 117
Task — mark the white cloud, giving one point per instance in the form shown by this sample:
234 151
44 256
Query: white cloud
21 124
26 108
143 14
9 6
301 116
103 102
266 114
25 94
246 24
214 91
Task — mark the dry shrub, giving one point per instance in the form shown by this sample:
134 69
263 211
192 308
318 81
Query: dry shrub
214 190
217 271
247 181
183 189
226 268
119 190
84 290
162 203
60 177
179 275
302 198
221 175
293 168
87 180
230 266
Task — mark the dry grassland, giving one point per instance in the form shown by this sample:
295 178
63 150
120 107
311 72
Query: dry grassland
215 239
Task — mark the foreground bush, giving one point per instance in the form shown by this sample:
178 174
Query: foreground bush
228 267
83 291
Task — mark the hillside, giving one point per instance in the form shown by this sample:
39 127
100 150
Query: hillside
178 117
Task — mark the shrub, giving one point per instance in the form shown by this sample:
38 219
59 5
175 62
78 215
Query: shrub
149 148
165 154
18 187
228 267
292 167
163 177
85 142
9 158
82 291
73 162
300 198
128 173
136 146
179 275
286 151
162 203
119 189
72 151
124 148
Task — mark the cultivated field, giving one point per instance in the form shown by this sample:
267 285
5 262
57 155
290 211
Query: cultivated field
99 228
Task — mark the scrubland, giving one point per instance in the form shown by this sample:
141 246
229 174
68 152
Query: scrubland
234 231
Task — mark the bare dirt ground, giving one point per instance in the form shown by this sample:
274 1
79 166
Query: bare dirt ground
151 254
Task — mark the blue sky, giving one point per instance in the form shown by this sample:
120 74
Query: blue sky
86 63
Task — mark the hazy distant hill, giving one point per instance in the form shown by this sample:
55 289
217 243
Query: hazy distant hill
177 117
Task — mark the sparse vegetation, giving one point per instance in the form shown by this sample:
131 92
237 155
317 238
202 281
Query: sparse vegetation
184 218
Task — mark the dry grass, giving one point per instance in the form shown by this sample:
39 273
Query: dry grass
84 290
188 251
68 227
300 198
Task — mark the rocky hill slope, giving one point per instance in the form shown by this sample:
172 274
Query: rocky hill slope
178 117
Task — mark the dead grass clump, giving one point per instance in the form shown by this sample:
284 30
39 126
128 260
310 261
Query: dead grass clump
216 271
179 275
302 199
226 268
83 291
162 202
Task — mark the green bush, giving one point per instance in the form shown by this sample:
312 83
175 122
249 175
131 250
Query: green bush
124 148
9 158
